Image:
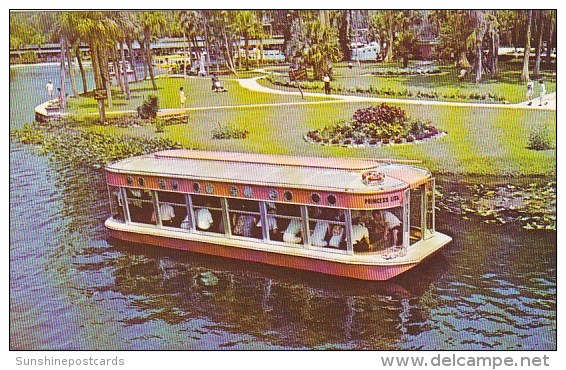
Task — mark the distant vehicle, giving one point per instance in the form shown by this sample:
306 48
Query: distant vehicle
369 51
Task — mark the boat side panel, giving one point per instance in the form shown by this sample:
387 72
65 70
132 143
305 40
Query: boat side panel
363 272
376 198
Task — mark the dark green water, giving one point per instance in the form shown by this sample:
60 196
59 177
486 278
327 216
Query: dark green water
493 287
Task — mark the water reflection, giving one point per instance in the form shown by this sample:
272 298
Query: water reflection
282 307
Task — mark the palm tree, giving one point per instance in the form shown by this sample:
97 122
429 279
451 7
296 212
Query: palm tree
189 21
245 25
455 28
152 23
525 73
94 27
321 48
66 28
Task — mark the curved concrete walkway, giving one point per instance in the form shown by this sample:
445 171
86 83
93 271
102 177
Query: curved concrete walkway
252 84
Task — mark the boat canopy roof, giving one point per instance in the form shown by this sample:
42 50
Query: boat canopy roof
330 173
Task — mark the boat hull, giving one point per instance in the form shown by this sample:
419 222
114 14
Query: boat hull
338 268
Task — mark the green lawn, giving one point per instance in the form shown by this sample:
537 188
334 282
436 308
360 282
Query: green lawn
197 90
508 85
487 141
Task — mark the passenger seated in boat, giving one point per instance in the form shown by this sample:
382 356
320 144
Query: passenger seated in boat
391 225
185 224
271 223
204 218
292 231
360 236
244 225
167 214
337 236
318 237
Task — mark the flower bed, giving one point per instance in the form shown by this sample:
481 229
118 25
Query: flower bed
375 126
455 94
406 71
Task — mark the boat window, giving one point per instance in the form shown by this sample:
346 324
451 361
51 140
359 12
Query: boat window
116 203
284 222
140 205
327 227
173 209
244 218
369 229
208 213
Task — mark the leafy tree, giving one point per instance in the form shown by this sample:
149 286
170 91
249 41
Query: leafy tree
245 25
321 48
406 46
152 24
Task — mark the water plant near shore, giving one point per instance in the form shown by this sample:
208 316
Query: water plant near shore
88 148
533 206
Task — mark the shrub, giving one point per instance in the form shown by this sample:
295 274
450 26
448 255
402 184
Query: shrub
149 108
382 114
228 132
159 125
539 138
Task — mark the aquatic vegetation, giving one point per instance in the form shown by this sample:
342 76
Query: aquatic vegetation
532 206
85 148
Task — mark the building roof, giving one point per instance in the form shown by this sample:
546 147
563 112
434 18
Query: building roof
329 173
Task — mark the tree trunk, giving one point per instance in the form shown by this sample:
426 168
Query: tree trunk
525 74
540 31
117 69
62 77
148 59
97 80
462 60
405 61
103 60
246 46
185 42
549 39
144 58
389 55
229 55
131 58
71 69
124 70
81 68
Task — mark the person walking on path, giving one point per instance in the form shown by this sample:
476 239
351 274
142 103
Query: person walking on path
530 91
542 91
326 81
50 89
182 97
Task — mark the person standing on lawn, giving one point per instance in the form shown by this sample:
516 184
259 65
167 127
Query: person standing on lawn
326 81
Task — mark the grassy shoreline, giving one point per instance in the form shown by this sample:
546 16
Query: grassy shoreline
479 141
